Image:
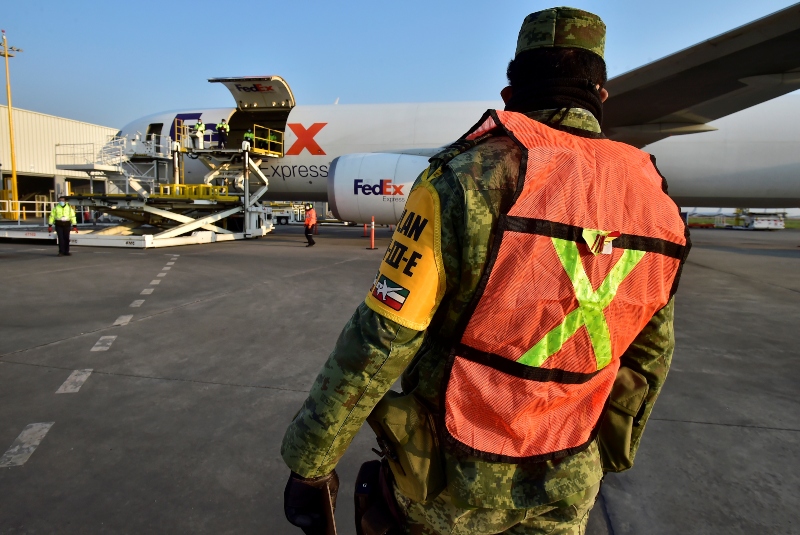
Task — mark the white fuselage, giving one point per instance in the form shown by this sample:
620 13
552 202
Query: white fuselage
347 129
753 160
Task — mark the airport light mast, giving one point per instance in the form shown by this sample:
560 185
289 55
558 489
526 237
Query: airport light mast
14 195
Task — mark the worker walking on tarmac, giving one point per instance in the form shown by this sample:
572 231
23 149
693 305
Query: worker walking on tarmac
526 298
310 224
222 133
198 133
63 216
249 137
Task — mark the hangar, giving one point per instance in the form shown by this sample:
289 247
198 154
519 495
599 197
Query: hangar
35 137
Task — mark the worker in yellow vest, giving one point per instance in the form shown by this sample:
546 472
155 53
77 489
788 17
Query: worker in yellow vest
222 133
249 137
63 216
198 133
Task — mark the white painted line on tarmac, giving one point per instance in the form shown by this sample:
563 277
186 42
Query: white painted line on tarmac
170 263
104 343
139 253
147 291
156 281
161 275
137 303
166 268
123 320
74 382
26 443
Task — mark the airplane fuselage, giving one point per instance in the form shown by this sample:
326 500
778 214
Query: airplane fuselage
751 161
316 135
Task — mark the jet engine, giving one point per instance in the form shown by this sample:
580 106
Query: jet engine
361 186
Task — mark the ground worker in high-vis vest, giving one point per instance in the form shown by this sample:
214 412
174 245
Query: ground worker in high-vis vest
223 128
526 302
249 137
197 133
309 224
63 217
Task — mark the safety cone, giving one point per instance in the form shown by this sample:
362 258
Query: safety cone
372 236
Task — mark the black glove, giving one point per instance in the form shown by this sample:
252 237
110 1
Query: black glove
306 503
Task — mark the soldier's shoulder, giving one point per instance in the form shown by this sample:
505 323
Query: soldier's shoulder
494 163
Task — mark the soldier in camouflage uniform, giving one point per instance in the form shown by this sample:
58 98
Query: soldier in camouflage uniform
475 182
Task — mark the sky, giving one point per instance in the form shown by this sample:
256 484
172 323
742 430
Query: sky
111 62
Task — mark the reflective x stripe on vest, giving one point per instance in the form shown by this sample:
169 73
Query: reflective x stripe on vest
590 309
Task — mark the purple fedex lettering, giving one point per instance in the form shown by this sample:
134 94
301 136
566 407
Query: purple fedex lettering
255 88
384 187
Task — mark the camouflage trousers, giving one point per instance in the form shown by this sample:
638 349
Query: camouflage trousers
441 516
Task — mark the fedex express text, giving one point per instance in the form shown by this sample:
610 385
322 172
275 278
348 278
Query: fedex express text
391 192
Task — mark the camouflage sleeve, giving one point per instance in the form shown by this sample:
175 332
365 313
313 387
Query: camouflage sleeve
650 354
371 353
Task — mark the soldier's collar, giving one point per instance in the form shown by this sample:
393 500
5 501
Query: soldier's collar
575 118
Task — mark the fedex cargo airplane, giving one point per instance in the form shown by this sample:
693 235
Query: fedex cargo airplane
694 110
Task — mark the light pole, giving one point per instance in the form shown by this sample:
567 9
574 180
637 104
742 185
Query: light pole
14 195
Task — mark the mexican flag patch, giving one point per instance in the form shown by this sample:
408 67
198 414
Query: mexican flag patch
389 293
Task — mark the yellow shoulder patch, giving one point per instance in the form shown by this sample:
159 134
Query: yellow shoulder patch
411 281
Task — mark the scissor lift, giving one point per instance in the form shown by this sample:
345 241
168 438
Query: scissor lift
164 212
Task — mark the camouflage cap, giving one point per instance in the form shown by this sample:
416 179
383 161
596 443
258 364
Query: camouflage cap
562 26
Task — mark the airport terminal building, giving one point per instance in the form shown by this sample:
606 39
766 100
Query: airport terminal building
36 136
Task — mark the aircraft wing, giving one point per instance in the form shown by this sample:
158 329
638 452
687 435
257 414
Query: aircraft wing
681 93
426 152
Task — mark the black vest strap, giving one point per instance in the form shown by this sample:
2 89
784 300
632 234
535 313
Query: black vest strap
561 231
521 370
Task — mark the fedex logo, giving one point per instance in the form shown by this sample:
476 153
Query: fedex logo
255 88
384 187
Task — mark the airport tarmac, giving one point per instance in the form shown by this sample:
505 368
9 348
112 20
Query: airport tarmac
177 428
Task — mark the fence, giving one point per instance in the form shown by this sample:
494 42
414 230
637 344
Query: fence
30 212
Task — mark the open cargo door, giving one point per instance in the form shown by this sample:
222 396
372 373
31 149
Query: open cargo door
263 104
259 92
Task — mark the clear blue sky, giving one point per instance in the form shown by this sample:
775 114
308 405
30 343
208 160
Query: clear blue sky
111 62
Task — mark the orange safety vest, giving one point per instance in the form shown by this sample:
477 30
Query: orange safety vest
311 218
589 251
